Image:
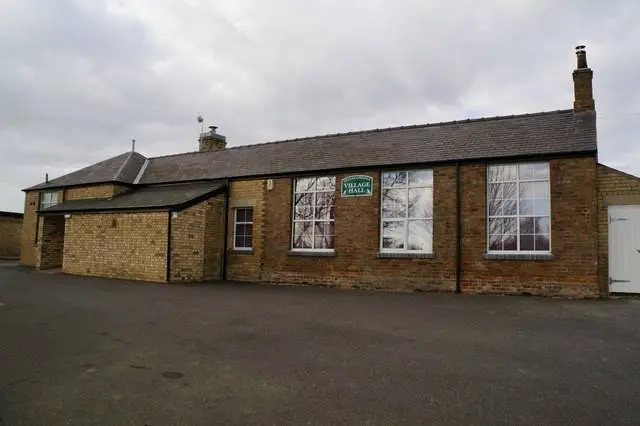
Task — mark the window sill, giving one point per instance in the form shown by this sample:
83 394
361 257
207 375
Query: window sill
517 256
242 251
311 253
399 255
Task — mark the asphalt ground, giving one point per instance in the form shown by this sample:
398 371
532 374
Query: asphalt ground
85 351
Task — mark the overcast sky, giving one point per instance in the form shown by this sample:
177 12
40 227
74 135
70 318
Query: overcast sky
80 79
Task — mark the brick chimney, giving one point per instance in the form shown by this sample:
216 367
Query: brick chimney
211 141
582 83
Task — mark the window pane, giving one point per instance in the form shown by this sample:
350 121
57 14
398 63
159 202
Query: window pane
392 179
495 242
542 242
495 207
531 171
302 235
239 215
495 226
509 207
526 242
541 207
421 202
324 205
303 213
420 235
394 203
239 241
526 207
421 178
305 184
541 189
510 191
510 225
542 225
509 242
501 173
248 230
526 225
248 215
393 234
241 229
327 183
527 190
494 191
304 199
248 241
325 228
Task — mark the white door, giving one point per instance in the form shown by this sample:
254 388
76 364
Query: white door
624 249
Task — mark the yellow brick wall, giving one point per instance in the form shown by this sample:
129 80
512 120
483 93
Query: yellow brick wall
10 236
614 188
123 245
243 266
88 192
187 244
214 238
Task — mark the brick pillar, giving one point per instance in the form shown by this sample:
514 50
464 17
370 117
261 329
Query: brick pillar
50 242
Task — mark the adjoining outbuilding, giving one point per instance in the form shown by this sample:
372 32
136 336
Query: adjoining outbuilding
10 230
516 204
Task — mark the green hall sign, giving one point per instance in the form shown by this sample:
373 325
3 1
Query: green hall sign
357 186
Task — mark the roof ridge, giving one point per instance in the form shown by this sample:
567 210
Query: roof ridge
377 130
124 164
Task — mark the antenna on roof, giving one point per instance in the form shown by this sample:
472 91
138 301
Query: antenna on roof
201 121
133 145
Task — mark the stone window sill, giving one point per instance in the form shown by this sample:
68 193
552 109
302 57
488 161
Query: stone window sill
312 253
242 251
391 255
517 256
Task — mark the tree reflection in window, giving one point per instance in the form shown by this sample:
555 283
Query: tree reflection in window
407 211
518 207
314 213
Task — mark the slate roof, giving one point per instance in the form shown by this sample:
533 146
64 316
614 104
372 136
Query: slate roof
546 133
143 198
556 132
122 168
11 214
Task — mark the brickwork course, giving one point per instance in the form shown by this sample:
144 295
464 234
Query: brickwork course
172 218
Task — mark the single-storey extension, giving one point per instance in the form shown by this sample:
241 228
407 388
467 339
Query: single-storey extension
515 205
10 230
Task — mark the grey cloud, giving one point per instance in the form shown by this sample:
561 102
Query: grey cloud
79 80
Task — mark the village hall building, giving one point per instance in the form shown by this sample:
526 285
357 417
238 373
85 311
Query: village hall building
515 205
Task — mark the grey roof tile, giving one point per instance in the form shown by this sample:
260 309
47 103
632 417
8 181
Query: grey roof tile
122 168
556 132
148 197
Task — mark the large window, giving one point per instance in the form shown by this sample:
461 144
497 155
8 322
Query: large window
518 208
48 199
314 213
243 229
407 211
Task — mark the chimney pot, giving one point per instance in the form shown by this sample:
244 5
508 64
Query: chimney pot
212 141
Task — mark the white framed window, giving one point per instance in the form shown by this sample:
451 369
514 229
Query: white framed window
407 211
48 199
314 214
518 208
243 229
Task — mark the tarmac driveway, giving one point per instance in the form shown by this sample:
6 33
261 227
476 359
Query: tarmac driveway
77 350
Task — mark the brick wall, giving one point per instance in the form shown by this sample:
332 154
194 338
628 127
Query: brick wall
356 264
50 242
573 270
106 190
615 188
28 244
10 236
120 245
187 244
214 238
243 265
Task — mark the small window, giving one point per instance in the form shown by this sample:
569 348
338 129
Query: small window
48 199
314 214
243 229
407 211
518 208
